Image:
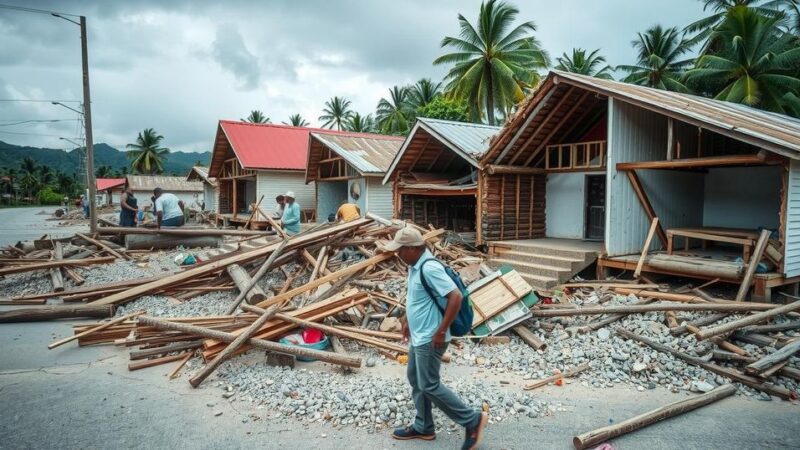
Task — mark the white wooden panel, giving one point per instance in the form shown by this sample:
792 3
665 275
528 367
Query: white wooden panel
564 205
792 247
379 197
274 182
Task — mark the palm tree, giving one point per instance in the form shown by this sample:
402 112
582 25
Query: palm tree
65 183
256 116
103 172
146 155
30 176
579 62
791 11
46 176
492 65
395 114
659 64
719 8
361 124
296 120
756 63
423 92
336 112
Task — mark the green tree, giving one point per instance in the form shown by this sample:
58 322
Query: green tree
579 62
703 28
395 114
336 112
65 183
146 155
659 63
445 108
46 176
492 65
103 172
361 124
256 116
423 92
29 179
296 120
756 64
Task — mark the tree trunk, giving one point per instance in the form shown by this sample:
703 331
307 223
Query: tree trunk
56 312
489 93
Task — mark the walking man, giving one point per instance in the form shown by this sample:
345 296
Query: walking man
169 209
429 332
291 214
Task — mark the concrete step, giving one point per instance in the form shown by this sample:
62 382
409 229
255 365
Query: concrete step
539 282
527 247
538 258
533 268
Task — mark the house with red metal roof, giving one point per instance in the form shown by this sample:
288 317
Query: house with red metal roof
109 189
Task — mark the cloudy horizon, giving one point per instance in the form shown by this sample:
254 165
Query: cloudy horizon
180 67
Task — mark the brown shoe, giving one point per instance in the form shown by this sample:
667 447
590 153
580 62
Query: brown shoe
475 434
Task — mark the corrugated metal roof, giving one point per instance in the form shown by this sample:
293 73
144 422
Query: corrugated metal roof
168 184
471 138
108 183
202 173
368 155
771 131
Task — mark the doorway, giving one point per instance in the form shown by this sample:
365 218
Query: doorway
595 214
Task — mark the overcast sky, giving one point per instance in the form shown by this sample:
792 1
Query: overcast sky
180 66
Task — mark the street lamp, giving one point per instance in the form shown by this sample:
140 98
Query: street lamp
68 107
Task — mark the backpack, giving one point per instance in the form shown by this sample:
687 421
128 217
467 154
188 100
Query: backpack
462 324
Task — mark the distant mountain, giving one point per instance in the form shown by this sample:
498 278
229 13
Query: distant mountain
104 155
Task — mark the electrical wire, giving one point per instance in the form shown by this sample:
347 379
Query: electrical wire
21 122
34 10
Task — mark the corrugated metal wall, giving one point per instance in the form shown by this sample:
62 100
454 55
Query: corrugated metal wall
379 198
636 134
564 210
330 195
210 197
274 182
791 258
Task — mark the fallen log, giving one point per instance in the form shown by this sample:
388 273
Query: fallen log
655 307
776 357
600 435
55 274
786 326
179 231
56 312
247 288
333 358
103 247
55 264
242 281
748 320
157 241
670 296
94 330
553 378
735 375
529 338
703 321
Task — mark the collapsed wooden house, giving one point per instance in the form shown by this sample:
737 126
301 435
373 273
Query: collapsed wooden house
253 160
143 185
610 157
435 175
349 167
210 188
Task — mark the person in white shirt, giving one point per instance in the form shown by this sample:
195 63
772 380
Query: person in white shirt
169 209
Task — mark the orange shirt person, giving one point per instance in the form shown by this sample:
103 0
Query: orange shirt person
348 212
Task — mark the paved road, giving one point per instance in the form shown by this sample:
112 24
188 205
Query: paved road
19 224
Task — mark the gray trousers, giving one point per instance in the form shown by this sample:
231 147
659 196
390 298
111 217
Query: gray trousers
424 363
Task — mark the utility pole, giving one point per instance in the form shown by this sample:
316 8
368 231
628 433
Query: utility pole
87 120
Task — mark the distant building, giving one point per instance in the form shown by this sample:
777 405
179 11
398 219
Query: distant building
210 188
143 185
109 190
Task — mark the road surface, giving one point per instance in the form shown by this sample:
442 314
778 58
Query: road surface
19 224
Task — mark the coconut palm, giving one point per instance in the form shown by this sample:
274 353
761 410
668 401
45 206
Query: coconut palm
147 155
659 63
395 114
755 65
791 11
256 116
719 8
296 120
493 63
423 92
46 176
361 124
579 62
336 112
65 183
103 172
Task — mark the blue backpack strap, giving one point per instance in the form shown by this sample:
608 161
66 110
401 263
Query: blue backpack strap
427 287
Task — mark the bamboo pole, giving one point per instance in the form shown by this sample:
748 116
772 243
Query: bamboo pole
567 374
94 330
603 434
333 358
748 320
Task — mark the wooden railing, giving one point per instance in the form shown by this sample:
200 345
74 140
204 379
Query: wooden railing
576 156
231 169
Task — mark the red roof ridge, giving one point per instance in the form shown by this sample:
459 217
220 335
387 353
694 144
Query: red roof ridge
315 130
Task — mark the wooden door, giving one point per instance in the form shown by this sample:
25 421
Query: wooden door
595 215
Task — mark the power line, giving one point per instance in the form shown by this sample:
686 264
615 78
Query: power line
29 134
35 121
36 100
34 10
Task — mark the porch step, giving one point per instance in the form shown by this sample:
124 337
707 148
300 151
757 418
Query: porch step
539 258
534 268
540 282
540 249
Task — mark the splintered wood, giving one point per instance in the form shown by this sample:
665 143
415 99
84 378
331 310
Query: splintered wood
497 295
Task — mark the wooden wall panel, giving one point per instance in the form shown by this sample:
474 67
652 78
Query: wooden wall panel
512 207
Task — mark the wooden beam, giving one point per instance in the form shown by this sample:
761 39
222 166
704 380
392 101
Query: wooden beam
692 163
524 125
657 307
558 126
670 137
747 320
54 264
494 169
646 247
544 121
103 247
763 240
646 205
100 327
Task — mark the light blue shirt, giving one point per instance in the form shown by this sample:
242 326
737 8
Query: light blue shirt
423 316
291 218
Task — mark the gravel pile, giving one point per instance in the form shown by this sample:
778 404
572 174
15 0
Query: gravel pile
360 399
210 304
28 283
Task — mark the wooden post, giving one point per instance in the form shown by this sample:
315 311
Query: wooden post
56 312
245 290
670 138
763 240
747 320
253 214
774 358
103 247
55 274
333 358
600 435
646 247
242 281
638 189
516 209
529 338
235 209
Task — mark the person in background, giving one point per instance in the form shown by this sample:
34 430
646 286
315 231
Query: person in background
280 204
429 331
291 214
128 207
348 212
66 204
85 204
169 209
